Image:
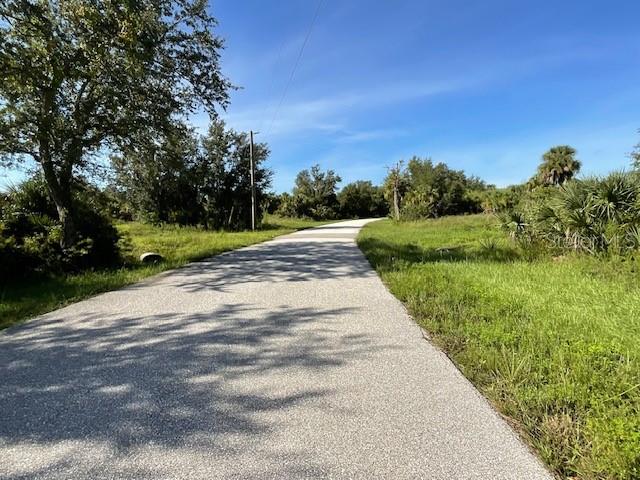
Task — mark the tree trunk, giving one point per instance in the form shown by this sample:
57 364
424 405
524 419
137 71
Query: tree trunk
396 202
58 182
60 192
69 232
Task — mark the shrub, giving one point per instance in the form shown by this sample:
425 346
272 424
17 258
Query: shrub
594 215
496 200
30 233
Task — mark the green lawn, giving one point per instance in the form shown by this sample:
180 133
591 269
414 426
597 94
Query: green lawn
179 245
554 343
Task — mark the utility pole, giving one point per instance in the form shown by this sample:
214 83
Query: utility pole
253 183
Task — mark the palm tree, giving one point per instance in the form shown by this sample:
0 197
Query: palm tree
558 166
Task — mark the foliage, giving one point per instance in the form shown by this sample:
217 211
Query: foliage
395 187
156 176
178 245
362 199
635 158
559 165
496 200
30 233
428 190
314 195
270 202
224 179
180 178
593 215
551 342
81 75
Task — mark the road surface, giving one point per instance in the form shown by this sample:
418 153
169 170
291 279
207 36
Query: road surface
284 360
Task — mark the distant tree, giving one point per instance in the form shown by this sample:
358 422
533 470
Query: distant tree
314 194
635 157
234 200
559 165
271 202
395 187
362 199
424 189
158 177
183 179
77 76
436 190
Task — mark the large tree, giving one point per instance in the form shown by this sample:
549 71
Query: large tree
80 75
559 165
314 193
226 177
158 176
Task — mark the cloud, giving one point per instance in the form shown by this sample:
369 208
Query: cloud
330 114
334 114
370 135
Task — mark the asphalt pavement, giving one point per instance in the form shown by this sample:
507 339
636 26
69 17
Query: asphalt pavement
287 359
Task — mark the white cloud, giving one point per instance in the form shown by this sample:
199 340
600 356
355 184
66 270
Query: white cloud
333 113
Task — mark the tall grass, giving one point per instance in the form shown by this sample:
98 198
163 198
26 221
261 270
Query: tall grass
553 343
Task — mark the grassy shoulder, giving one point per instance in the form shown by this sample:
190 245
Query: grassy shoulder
178 245
553 343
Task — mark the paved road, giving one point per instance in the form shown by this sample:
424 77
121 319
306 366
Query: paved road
284 360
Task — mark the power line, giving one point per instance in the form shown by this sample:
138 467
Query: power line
272 84
295 65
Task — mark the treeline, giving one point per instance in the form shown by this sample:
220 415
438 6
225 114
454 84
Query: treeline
422 189
552 212
315 195
189 179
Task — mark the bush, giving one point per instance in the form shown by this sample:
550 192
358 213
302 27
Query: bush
496 200
30 233
594 215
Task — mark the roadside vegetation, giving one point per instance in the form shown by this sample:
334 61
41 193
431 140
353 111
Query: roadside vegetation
178 245
537 303
551 341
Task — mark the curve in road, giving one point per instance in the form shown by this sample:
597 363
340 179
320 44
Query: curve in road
287 359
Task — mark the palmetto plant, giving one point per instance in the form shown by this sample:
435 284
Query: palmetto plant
513 222
592 215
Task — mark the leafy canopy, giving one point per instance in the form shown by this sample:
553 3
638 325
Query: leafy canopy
79 75
559 165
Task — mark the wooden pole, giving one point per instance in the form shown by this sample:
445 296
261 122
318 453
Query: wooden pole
253 183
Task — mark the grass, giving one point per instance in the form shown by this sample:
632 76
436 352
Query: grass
552 342
178 245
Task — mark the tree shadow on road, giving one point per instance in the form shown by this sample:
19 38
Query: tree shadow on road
128 381
296 261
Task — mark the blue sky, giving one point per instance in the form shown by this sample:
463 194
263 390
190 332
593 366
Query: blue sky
483 86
